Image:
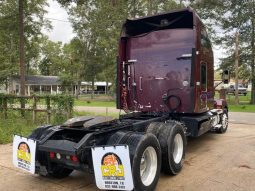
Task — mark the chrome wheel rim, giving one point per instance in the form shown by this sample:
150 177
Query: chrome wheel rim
178 148
224 121
148 166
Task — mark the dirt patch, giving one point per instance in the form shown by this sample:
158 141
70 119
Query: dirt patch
244 166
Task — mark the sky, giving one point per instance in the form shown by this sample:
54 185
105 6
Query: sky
62 29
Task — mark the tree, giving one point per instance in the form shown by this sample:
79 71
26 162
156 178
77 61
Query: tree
230 17
50 63
72 65
97 24
34 21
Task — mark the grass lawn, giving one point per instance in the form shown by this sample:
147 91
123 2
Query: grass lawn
14 125
242 99
242 108
244 103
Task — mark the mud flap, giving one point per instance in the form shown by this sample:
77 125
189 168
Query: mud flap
24 151
112 168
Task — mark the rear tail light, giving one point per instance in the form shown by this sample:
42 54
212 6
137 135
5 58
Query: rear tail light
52 155
74 158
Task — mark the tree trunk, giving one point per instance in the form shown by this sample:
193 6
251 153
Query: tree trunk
106 87
7 85
78 89
134 9
21 49
93 88
236 69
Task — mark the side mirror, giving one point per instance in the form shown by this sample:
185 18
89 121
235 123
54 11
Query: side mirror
225 76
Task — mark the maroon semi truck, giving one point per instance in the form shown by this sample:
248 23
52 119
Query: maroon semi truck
165 75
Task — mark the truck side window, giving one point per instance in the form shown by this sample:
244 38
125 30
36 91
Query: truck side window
203 76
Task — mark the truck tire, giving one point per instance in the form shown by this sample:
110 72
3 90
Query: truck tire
145 154
154 128
116 138
145 157
173 144
166 133
224 122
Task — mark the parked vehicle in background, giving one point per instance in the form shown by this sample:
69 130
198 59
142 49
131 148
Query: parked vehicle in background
241 89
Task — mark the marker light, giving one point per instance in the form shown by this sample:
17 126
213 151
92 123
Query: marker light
52 155
68 157
74 158
58 156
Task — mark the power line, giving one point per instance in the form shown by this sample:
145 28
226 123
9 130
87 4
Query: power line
57 20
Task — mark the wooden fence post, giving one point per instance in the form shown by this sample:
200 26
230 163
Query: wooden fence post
34 108
22 105
5 106
48 109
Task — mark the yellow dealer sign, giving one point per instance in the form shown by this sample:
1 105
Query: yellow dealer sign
24 153
112 168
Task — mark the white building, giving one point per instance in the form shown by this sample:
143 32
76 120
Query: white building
52 85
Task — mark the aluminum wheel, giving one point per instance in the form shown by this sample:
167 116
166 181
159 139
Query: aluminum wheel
178 148
148 166
224 121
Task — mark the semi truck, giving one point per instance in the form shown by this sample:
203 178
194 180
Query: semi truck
165 85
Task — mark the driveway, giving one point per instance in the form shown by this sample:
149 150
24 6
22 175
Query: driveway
214 162
242 118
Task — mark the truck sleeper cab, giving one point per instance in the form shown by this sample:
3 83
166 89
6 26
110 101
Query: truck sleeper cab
165 83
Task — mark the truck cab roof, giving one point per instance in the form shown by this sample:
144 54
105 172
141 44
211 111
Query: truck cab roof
183 18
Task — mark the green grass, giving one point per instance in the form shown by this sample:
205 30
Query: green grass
242 99
242 108
15 124
100 100
244 103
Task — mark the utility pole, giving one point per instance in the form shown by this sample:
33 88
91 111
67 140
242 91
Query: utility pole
21 48
236 68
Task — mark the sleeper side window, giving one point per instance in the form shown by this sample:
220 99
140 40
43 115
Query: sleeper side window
203 76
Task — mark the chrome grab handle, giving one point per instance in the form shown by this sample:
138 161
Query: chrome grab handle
140 84
128 85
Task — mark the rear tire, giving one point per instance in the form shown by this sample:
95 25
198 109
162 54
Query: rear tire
173 143
145 157
154 128
176 146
